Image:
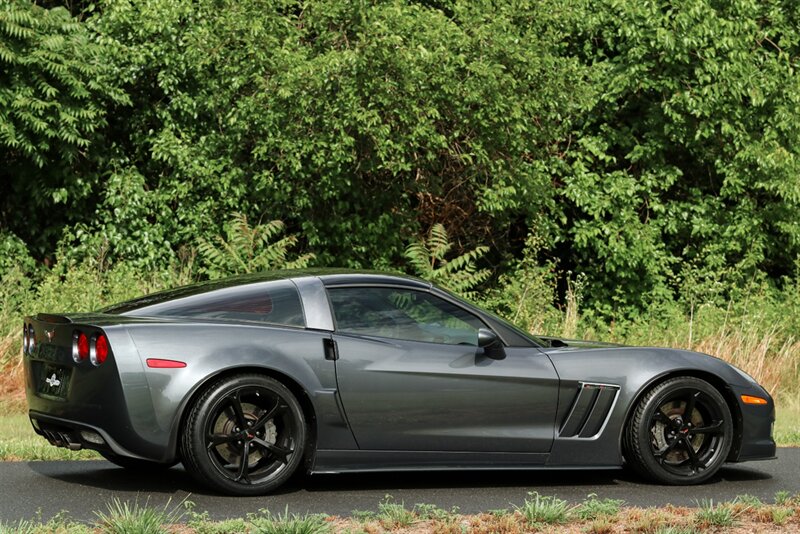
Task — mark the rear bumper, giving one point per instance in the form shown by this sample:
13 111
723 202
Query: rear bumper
74 435
76 403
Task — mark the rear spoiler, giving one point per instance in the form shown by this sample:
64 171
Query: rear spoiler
95 319
53 319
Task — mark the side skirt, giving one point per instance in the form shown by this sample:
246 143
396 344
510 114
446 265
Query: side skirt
339 461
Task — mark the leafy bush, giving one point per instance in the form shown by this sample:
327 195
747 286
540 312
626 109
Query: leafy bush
687 162
55 92
247 249
526 294
429 259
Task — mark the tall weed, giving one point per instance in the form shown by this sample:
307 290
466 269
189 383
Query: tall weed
759 332
72 288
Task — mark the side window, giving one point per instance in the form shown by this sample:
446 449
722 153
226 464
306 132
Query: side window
402 314
270 302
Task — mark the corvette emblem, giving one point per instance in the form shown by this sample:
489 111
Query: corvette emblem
53 381
50 335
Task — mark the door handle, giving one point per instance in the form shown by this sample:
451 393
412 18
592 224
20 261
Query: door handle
330 348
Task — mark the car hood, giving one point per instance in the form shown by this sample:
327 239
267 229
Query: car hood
563 343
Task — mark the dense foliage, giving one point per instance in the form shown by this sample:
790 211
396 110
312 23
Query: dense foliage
56 90
615 155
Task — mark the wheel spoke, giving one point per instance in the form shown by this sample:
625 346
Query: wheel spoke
241 476
693 459
713 428
236 404
281 454
661 453
690 404
661 417
215 440
279 407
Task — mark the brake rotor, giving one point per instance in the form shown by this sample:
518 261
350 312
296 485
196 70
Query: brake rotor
227 424
661 432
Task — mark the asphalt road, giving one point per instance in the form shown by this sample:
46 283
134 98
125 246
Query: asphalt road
42 489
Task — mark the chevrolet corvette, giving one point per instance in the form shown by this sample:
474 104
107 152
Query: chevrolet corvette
249 379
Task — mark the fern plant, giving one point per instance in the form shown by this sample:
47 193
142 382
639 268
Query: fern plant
249 248
428 257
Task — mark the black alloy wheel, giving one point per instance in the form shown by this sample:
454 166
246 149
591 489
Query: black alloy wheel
680 432
245 436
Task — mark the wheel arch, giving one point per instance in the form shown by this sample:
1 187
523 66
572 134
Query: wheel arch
302 396
718 383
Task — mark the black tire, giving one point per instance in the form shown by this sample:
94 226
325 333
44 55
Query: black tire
680 432
134 464
245 435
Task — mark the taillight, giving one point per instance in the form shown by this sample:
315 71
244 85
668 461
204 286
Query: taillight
94 348
31 339
100 352
80 346
25 339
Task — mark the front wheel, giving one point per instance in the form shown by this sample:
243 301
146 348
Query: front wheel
680 432
245 435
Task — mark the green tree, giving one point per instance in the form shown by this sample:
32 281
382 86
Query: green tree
356 123
687 163
54 89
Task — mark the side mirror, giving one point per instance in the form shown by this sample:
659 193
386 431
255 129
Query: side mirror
491 344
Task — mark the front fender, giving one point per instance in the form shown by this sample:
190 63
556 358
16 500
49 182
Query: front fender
633 370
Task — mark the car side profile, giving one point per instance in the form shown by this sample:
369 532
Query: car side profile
248 379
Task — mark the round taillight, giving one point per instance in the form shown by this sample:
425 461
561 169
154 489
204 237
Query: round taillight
25 339
31 339
100 350
80 346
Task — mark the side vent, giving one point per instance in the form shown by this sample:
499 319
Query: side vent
589 411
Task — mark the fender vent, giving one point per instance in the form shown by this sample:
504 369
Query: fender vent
589 410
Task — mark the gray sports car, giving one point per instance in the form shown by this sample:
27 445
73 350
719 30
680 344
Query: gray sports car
244 380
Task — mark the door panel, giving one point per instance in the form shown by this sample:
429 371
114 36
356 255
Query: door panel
412 395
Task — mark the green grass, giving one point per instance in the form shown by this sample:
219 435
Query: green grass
546 513
787 424
715 515
542 509
18 441
286 523
431 511
780 515
60 524
394 515
594 508
683 529
123 517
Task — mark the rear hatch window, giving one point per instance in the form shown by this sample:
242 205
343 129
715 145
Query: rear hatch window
276 302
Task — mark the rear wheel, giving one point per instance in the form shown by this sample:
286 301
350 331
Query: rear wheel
245 435
680 432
